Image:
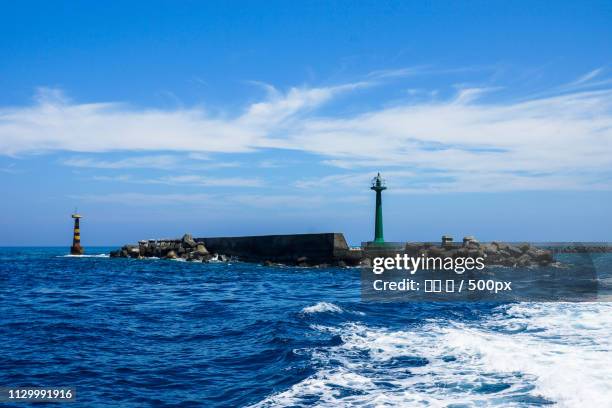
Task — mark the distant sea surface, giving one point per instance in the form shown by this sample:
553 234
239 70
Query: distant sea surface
157 333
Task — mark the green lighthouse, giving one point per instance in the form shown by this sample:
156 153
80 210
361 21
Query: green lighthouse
378 185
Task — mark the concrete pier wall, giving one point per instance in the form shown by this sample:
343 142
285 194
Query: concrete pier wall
292 248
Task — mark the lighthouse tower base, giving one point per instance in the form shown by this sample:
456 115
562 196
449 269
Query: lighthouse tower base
76 250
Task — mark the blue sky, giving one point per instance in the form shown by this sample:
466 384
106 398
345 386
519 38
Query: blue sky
491 119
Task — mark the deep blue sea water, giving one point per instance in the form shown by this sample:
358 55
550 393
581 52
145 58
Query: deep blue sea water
157 333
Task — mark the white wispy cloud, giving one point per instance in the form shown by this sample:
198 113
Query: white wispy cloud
352 180
588 76
559 141
55 123
200 156
186 180
154 162
280 107
10 169
568 135
591 80
144 199
207 181
218 200
194 161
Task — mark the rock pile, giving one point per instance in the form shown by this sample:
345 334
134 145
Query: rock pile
583 248
185 248
494 253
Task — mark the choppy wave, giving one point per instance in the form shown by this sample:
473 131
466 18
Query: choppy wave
322 307
85 256
223 334
522 354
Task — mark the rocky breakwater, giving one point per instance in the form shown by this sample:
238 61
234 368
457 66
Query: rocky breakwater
185 248
493 253
307 250
579 248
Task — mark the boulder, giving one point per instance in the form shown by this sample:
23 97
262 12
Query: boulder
524 247
193 257
489 249
499 246
523 260
413 249
462 252
435 252
366 263
133 251
171 255
468 239
201 249
543 257
473 245
514 251
451 253
476 253
188 242
532 252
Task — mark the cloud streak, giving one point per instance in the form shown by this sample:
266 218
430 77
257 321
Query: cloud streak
187 180
153 162
562 141
221 201
194 161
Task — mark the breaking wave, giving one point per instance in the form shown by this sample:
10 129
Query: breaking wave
523 354
322 307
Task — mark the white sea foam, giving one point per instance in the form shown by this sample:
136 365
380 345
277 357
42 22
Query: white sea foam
558 352
322 307
215 259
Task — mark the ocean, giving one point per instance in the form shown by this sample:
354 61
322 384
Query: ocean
158 333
